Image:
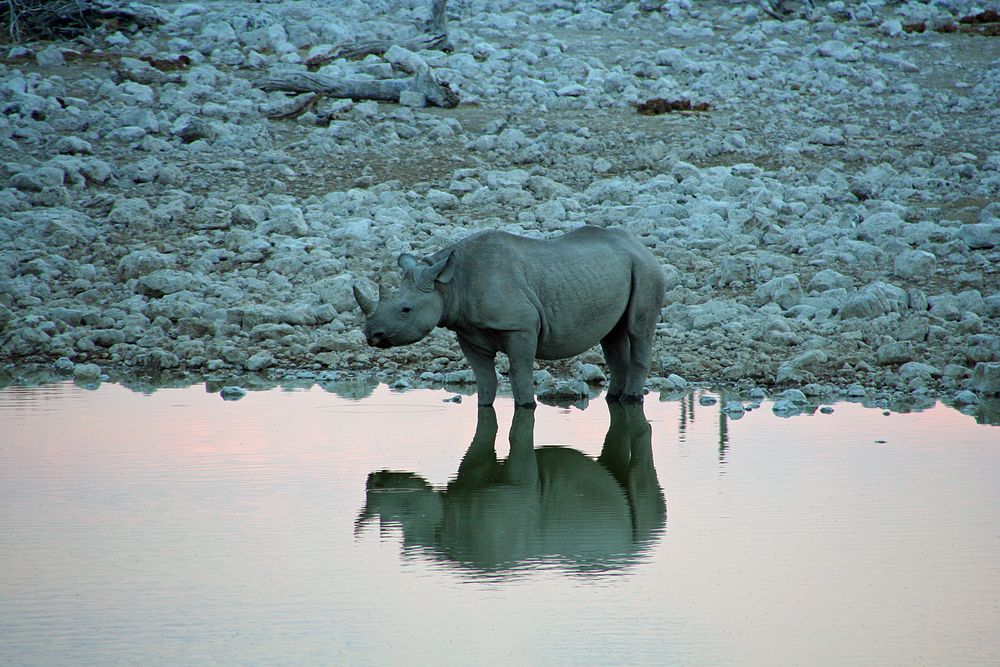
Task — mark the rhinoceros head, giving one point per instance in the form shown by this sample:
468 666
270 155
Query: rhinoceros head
408 314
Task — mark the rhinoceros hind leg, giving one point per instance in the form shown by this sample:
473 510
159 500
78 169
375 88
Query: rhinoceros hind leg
616 352
642 314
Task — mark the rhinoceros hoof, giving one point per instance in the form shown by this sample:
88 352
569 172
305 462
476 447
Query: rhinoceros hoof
527 406
632 399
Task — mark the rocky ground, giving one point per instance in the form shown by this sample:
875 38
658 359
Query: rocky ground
828 221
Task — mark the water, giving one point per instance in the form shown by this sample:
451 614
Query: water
176 528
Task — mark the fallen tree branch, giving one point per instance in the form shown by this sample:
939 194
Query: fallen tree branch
51 19
438 93
297 108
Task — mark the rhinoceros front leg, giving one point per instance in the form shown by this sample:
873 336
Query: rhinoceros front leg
520 347
483 364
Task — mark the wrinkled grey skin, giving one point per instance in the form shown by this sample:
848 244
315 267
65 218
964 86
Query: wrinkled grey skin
551 503
530 298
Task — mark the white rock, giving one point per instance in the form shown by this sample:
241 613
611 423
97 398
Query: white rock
980 235
914 264
839 51
873 300
73 145
784 290
828 279
591 373
827 136
165 281
50 56
141 262
285 219
259 361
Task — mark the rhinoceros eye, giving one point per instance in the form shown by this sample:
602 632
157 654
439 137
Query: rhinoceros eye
406 309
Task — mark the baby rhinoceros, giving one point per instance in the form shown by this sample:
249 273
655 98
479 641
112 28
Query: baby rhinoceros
529 298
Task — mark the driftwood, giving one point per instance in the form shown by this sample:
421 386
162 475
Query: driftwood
438 93
400 53
53 19
436 38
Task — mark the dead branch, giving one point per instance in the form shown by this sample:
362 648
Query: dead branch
60 19
436 92
297 108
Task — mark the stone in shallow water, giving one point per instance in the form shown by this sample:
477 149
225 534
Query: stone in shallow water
232 393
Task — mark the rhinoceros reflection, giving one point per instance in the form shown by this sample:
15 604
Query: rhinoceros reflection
552 504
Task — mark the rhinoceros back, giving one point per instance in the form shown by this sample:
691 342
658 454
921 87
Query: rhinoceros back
577 286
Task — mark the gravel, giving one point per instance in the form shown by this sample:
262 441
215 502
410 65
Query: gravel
829 217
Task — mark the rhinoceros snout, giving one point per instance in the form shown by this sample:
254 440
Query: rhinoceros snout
378 339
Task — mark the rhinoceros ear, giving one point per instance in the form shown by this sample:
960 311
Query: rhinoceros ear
441 271
407 261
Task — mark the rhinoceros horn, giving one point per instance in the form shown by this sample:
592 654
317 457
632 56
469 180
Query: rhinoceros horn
367 305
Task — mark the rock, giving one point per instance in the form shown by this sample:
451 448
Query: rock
674 381
591 373
793 396
142 262
50 56
784 290
259 361
572 90
828 279
86 372
794 369
460 377
894 353
285 219
839 51
945 306
785 408
965 397
163 282
827 136
880 226
73 145
561 392
706 400
980 235
986 378
913 369
876 299
914 264
734 409
232 393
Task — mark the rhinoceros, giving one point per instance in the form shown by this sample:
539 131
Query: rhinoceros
529 298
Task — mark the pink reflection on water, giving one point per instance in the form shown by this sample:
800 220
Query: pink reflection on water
177 522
